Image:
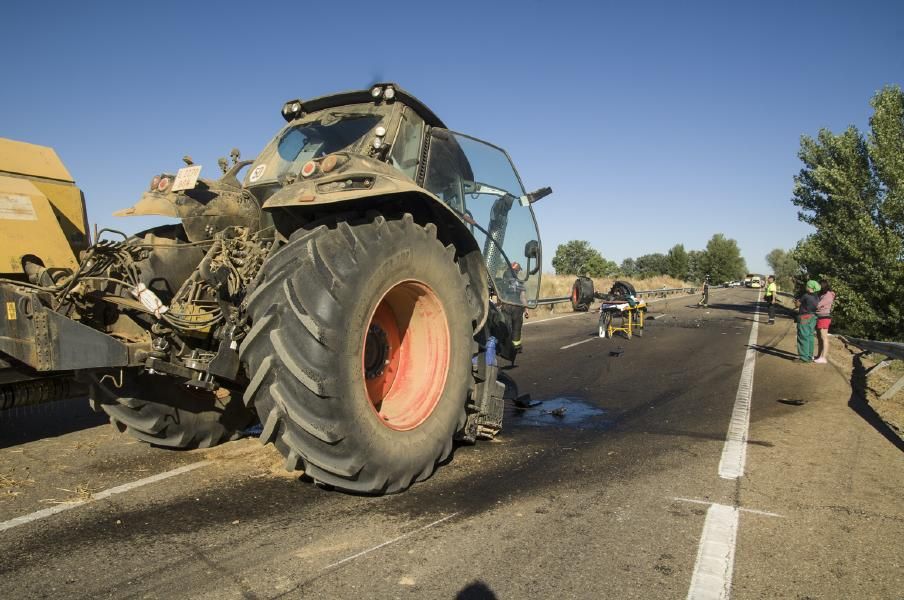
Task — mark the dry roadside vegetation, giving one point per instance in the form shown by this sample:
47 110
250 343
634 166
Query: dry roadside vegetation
560 285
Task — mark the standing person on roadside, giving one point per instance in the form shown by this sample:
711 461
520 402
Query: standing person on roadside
824 319
704 300
806 322
769 297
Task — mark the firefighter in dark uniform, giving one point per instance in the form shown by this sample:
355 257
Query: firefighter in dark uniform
704 300
517 314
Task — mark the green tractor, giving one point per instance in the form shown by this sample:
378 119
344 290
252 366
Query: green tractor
339 293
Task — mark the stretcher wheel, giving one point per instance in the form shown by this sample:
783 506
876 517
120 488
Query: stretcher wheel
605 321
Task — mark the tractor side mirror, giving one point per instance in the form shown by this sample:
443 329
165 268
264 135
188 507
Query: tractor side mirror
536 195
532 252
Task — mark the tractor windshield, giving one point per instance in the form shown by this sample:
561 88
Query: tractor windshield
477 180
322 134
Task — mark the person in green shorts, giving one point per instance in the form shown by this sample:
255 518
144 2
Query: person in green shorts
806 322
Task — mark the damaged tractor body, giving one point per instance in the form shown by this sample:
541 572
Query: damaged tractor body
339 293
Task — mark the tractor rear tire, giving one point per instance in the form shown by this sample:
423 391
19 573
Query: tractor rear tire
582 294
623 289
360 353
159 410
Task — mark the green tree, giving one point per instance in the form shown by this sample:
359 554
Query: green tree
851 190
695 269
629 267
677 262
785 269
577 257
650 265
597 266
722 259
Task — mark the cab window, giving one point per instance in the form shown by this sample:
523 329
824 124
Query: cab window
406 150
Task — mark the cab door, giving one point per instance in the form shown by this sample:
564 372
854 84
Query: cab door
479 182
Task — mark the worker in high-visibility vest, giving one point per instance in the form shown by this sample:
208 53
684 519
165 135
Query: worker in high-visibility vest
770 297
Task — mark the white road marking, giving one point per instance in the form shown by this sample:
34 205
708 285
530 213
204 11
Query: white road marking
715 556
537 321
734 453
764 513
750 510
386 543
99 496
577 343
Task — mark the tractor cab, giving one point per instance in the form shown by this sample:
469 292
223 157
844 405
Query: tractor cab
382 142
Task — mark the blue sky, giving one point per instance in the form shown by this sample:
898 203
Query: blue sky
655 124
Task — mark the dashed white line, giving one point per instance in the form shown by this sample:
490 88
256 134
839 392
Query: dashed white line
715 556
577 343
387 543
41 514
734 453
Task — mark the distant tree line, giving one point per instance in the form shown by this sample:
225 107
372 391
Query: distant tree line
851 190
786 269
721 260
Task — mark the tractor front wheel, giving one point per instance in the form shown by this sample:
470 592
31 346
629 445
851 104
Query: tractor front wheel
360 353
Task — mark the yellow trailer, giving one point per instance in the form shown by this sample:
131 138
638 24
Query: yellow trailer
42 211
43 228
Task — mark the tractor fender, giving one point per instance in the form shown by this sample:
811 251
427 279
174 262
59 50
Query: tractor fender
391 194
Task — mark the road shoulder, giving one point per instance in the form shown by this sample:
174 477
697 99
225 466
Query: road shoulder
829 472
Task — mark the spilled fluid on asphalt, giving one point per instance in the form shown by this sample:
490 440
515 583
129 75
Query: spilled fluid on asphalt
561 411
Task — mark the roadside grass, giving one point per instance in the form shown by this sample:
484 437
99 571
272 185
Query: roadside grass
553 286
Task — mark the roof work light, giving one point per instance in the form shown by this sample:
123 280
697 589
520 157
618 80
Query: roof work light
292 109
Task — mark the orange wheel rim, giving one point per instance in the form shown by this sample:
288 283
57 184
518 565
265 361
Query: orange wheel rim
405 355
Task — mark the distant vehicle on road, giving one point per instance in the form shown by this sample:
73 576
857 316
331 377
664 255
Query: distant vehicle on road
753 281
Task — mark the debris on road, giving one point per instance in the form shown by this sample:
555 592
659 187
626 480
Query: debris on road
792 401
524 401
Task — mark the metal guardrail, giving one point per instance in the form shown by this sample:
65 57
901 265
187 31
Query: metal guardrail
662 292
893 350
556 300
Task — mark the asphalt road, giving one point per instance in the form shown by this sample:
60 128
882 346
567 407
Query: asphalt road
625 496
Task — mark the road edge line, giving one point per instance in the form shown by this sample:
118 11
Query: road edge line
734 452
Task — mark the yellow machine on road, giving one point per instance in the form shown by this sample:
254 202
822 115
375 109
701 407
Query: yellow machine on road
42 214
42 211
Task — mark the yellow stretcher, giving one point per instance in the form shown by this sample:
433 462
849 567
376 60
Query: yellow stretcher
631 322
